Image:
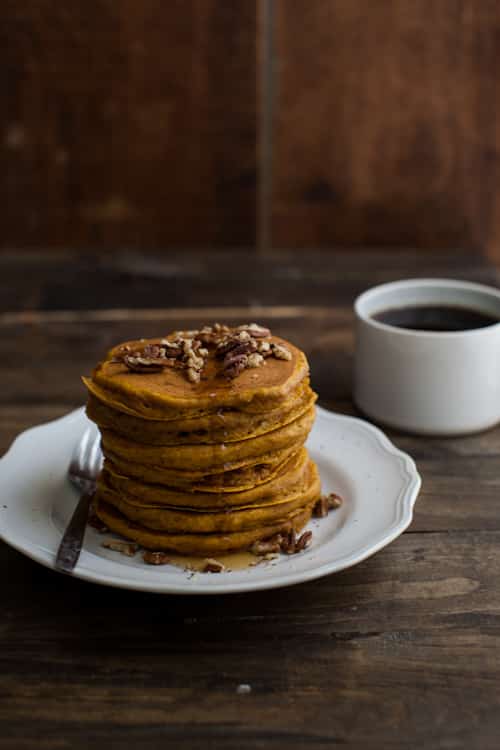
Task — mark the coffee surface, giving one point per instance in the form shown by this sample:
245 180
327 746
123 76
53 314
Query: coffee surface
435 318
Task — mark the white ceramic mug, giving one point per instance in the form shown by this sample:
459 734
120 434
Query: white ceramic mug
428 382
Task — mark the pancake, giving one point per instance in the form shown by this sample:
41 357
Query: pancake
203 545
149 495
236 477
209 456
217 427
170 395
182 520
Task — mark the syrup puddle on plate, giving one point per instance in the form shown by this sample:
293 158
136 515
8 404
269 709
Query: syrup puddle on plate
231 561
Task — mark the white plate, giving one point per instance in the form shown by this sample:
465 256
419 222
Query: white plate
379 485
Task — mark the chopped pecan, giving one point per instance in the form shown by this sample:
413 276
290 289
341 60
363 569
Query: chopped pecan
205 337
124 548
193 375
212 566
155 558
267 546
255 360
264 348
281 352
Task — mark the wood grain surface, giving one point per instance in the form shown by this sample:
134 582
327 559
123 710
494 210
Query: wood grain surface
127 124
400 652
135 124
386 130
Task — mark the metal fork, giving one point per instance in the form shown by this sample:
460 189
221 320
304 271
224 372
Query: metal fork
82 472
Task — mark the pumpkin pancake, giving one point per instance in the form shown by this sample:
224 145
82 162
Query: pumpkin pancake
235 478
198 544
169 394
209 456
157 495
220 426
184 520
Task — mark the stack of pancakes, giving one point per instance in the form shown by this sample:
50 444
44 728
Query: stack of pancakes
207 461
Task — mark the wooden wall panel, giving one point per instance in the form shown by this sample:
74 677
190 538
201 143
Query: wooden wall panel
127 123
386 129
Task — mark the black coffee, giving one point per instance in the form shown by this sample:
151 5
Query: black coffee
435 318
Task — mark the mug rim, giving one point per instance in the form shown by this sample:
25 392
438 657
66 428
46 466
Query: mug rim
364 298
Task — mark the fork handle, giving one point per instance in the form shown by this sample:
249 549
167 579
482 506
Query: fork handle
71 543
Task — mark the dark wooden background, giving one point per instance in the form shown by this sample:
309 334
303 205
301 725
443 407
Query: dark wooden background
165 124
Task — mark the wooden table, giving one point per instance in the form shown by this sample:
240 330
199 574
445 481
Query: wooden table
402 651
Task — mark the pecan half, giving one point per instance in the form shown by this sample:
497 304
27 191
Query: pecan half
292 544
281 352
334 501
255 360
155 558
234 365
264 348
327 503
286 542
143 364
231 341
321 508
244 348
212 566
124 548
258 332
303 541
172 348
289 541
266 546
153 351
193 375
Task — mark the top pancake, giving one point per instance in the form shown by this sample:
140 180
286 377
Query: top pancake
169 394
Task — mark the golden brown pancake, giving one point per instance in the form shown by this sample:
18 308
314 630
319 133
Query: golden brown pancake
184 520
209 456
197 544
169 394
221 426
235 478
158 495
